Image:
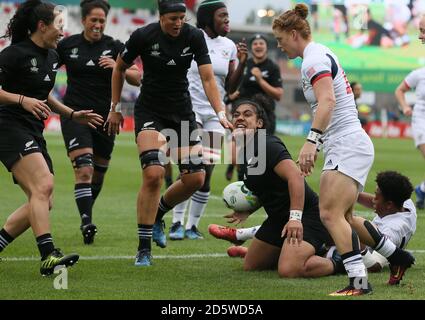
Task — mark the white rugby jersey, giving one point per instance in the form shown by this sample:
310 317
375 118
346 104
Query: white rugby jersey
222 51
319 62
416 80
400 226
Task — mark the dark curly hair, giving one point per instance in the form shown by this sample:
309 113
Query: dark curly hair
394 187
26 18
88 5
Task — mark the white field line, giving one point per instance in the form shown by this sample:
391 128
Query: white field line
98 258
168 257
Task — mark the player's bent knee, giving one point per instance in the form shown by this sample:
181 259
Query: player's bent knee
289 271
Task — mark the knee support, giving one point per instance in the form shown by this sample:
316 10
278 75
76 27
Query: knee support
154 157
84 160
191 165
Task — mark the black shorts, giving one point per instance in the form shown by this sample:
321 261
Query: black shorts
16 144
78 136
178 129
314 231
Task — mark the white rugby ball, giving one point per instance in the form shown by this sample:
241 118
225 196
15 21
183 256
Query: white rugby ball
238 197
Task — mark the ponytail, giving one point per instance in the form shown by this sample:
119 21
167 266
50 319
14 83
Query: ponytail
26 18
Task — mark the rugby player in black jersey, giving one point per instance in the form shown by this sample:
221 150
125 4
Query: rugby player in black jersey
167 49
27 75
89 58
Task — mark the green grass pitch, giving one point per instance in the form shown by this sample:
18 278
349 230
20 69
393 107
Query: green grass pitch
185 269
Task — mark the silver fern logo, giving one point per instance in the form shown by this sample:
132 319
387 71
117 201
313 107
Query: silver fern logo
34 65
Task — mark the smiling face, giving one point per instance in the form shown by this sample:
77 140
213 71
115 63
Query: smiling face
245 118
51 34
94 24
172 23
259 48
221 22
422 29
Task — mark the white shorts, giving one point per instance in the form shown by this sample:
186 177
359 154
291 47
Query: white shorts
351 155
418 129
209 121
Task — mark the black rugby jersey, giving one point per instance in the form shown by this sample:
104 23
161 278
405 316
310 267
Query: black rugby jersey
89 85
271 73
29 70
271 189
166 61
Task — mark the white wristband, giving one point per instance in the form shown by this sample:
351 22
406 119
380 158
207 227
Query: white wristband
295 215
117 108
314 136
221 115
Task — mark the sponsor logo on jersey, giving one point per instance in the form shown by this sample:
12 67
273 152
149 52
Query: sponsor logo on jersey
329 163
124 52
155 50
185 52
90 63
104 53
225 54
34 65
74 54
47 78
171 63
55 67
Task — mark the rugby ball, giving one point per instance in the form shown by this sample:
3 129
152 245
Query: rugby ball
238 197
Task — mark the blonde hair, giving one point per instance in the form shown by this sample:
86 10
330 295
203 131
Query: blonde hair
295 19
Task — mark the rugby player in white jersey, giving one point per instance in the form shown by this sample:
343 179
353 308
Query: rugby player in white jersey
348 150
213 20
416 80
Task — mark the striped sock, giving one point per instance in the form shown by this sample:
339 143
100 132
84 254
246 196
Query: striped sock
197 208
144 232
385 247
354 265
45 245
163 208
5 239
84 200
